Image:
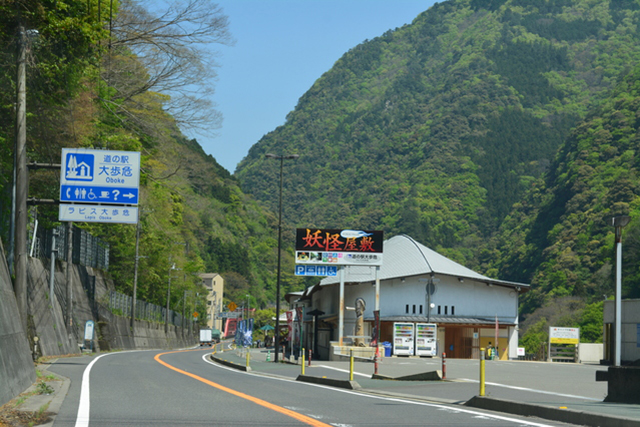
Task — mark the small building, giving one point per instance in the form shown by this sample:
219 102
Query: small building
470 309
215 292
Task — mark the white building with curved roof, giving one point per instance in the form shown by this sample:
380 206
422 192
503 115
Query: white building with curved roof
468 308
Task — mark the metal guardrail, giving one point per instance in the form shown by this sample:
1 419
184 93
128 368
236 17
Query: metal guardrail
88 250
121 304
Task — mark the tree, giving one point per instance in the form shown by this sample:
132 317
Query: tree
166 52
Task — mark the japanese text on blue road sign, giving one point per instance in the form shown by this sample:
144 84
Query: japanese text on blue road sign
99 176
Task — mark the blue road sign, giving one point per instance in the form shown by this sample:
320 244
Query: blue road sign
316 270
99 176
98 213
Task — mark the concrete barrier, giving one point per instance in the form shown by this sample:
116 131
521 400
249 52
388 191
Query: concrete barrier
424 376
549 413
623 384
229 363
349 385
17 371
590 352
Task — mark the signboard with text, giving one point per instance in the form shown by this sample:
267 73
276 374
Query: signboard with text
338 247
98 213
99 176
564 335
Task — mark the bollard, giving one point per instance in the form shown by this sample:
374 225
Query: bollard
248 357
481 371
268 355
284 349
302 364
351 365
444 366
375 360
310 353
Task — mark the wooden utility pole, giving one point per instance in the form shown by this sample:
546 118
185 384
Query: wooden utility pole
21 176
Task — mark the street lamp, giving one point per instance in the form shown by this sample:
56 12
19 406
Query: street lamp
166 317
619 222
277 334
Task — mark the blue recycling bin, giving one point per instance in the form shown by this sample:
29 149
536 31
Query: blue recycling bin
387 348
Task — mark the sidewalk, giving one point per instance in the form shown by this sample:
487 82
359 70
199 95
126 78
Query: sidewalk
527 400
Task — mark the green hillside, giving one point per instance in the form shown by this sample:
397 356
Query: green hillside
437 128
560 235
449 129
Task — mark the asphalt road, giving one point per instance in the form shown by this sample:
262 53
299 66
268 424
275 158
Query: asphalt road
184 388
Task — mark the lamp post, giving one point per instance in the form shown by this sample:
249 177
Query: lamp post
248 307
619 222
166 317
277 334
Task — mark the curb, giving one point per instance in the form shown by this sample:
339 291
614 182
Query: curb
54 400
229 364
426 376
349 385
569 416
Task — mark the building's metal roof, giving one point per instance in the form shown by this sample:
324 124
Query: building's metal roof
404 257
459 320
440 320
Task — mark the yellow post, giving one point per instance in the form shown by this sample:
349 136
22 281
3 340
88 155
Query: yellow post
351 365
248 354
482 372
303 361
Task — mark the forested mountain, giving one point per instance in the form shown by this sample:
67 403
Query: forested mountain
560 235
438 128
120 79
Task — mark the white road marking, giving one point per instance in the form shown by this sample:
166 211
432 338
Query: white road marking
390 399
533 390
84 406
82 419
344 370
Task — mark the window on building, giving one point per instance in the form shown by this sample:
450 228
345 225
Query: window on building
439 310
406 310
420 308
446 309
414 309
453 310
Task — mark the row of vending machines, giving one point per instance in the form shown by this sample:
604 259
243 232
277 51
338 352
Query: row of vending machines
415 339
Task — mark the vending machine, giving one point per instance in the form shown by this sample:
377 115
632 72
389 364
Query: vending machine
403 339
426 339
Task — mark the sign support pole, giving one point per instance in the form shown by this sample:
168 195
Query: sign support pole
341 312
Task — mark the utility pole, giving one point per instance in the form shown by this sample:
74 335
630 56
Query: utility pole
135 276
68 274
21 181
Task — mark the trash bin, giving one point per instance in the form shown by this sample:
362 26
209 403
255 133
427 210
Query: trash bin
387 348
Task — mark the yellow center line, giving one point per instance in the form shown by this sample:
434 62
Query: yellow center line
280 409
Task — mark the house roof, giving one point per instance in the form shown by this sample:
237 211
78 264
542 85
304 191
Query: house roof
404 257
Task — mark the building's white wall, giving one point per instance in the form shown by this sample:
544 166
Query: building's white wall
469 299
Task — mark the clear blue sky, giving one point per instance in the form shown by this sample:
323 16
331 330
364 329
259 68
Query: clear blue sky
282 47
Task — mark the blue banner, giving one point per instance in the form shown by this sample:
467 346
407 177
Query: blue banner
248 333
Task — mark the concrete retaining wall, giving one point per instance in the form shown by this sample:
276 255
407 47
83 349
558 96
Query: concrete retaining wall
45 317
17 371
